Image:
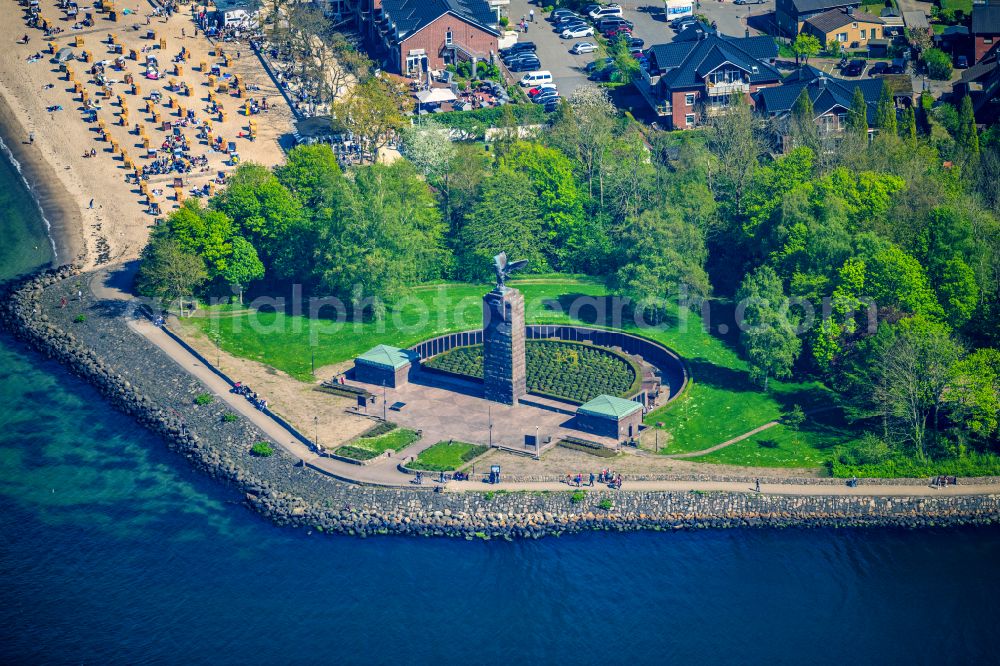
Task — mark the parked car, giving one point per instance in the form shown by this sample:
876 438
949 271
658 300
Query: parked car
537 90
591 66
573 33
589 8
894 69
854 68
583 47
573 25
558 13
568 18
878 68
610 21
609 10
677 22
525 65
605 74
635 41
749 2
617 30
961 62
551 106
520 47
518 57
547 97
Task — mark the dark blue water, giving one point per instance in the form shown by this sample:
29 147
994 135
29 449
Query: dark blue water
113 551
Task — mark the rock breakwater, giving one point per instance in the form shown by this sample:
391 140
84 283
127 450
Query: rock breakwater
91 339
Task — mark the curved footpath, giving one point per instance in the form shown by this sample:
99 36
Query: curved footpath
145 374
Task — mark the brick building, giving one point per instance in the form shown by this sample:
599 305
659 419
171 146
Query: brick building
985 29
694 77
411 37
608 416
384 365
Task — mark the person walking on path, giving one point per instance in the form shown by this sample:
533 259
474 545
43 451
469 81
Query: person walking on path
531 15
758 485
31 137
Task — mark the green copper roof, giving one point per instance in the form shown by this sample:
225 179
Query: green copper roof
385 356
609 407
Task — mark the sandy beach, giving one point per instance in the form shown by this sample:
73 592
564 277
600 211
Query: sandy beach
96 215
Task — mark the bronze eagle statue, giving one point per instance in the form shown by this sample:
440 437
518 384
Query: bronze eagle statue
503 269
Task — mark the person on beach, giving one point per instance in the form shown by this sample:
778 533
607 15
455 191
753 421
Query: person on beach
31 137
758 485
91 204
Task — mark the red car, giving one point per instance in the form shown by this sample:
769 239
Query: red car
617 30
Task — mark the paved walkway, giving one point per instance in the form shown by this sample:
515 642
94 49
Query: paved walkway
384 473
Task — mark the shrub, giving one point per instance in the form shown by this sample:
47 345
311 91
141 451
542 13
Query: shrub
380 428
229 417
79 319
262 450
938 64
605 504
794 418
203 399
577 496
869 450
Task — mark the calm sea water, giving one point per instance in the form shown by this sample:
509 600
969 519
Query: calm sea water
113 551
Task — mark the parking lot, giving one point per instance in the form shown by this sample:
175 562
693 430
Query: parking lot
568 69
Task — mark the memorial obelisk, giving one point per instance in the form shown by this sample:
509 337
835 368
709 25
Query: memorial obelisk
503 337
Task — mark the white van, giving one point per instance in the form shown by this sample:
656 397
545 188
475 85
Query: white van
603 12
536 78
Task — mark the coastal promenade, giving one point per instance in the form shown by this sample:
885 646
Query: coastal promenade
386 473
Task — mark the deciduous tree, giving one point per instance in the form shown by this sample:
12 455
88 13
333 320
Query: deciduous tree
767 329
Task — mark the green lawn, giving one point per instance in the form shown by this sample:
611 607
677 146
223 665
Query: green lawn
447 456
721 403
360 448
780 446
963 5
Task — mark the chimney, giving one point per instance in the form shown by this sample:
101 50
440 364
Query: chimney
821 81
850 11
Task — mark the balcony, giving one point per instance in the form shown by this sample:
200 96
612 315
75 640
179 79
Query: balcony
727 88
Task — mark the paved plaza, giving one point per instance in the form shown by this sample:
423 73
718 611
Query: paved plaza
449 408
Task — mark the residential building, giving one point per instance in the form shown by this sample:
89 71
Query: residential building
985 29
411 37
982 83
851 28
789 15
831 98
694 77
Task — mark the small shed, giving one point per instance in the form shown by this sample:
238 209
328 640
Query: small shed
385 365
609 416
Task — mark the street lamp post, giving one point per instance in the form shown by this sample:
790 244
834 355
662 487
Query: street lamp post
538 444
316 432
489 412
385 414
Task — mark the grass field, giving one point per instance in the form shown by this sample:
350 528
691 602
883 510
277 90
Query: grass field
446 456
720 404
397 440
780 446
963 5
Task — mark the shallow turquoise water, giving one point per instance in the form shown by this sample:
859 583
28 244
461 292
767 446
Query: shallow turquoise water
113 551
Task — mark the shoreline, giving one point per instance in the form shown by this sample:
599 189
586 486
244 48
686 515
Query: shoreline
139 380
56 206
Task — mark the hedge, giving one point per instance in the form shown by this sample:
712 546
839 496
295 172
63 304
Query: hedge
562 370
475 123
